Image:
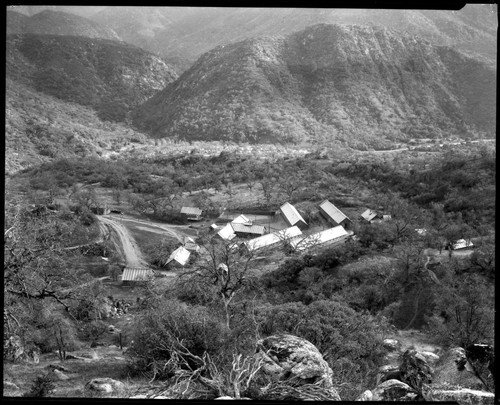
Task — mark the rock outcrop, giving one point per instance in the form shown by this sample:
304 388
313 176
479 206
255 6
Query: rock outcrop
290 359
105 387
414 369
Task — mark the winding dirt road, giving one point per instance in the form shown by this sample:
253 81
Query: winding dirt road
128 246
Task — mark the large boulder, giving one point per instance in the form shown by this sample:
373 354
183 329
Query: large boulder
388 372
289 358
105 387
414 369
393 390
392 345
59 375
482 359
13 348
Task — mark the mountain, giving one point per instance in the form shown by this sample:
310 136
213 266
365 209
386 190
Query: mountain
49 22
328 83
83 11
111 77
186 33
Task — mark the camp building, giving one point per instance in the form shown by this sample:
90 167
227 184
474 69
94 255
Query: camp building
179 256
192 213
291 216
371 216
132 275
333 215
272 239
320 239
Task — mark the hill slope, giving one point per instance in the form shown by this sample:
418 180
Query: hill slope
189 32
327 83
50 22
110 76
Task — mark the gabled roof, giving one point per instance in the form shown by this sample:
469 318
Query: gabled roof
462 244
290 214
253 229
332 211
272 238
180 255
191 210
227 232
369 215
241 219
319 238
131 274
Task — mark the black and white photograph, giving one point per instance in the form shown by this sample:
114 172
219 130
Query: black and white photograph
267 203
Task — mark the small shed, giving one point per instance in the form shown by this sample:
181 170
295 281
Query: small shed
463 244
132 275
333 215
370 216
179 256
192 213
190 244
291 216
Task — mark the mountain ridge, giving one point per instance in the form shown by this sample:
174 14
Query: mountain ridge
53 22
325 83
108 75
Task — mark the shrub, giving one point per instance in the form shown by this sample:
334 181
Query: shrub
42 386
176 327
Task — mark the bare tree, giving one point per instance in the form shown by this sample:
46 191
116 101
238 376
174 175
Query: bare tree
289 186
267 189
225 266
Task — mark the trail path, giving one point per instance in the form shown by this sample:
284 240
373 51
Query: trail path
131 252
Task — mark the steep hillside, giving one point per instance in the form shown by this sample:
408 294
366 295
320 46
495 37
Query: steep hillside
110 76
189 32
41 128
50 22
349 84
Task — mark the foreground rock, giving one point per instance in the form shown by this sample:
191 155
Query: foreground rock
105 387
482 359
394 390
288 358
414 369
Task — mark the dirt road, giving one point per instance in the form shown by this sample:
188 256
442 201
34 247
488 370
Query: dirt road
176 234
129 248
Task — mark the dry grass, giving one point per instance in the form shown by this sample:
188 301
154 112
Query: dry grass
104 362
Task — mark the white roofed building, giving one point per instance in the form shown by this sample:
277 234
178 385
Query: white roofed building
179 256
333 215
272 239
241 219
227 232
370 215
320 239
291 216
